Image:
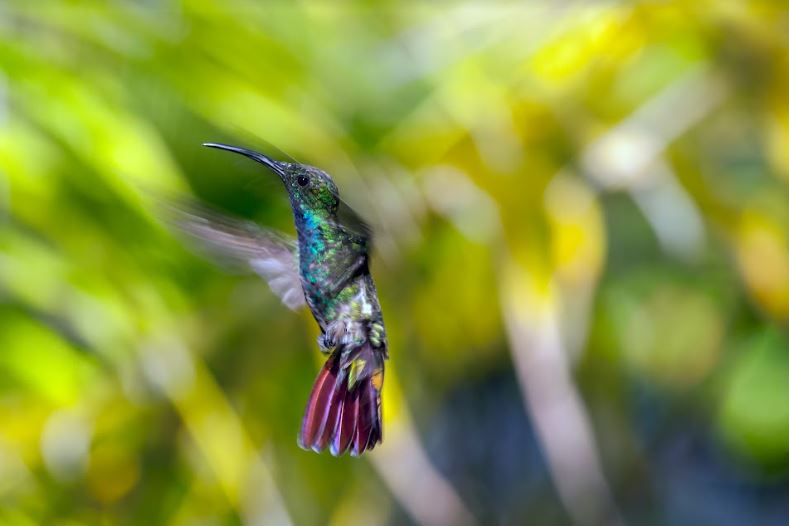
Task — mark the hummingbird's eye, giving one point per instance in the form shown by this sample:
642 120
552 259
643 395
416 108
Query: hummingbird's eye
302 180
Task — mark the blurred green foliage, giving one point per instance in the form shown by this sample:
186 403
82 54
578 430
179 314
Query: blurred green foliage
627 161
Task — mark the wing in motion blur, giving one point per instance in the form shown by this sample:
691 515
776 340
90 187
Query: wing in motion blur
271 254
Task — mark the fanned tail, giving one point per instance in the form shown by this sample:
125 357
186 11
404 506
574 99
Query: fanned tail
344 408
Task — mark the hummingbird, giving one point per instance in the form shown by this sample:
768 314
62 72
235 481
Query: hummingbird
326 268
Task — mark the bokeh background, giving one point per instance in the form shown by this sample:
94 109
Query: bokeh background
582 219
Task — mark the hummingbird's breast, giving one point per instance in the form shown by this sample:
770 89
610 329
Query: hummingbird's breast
356 299
338 288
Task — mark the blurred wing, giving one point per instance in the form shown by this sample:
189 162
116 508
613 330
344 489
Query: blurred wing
351 222
272 255
349 256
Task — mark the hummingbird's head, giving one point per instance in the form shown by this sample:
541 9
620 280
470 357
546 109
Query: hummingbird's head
308 187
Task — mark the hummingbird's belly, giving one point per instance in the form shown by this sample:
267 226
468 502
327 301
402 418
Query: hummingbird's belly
354 315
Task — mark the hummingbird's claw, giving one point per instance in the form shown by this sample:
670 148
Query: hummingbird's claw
326 344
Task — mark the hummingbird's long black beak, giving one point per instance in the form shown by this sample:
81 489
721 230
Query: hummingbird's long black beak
273 165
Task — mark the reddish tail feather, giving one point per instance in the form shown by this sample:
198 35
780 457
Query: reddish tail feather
343 418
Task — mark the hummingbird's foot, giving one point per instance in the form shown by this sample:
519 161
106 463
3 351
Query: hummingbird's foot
333 335
326 344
